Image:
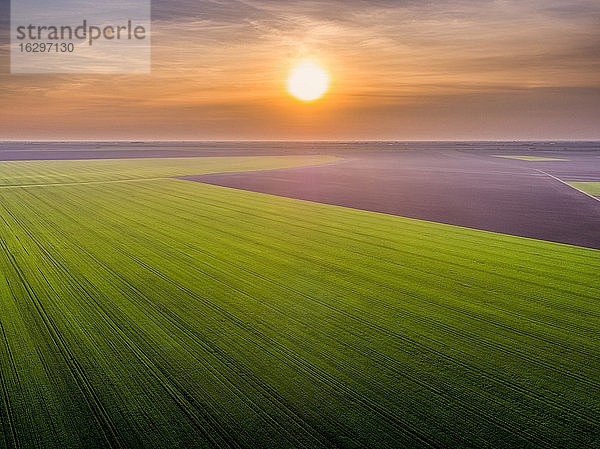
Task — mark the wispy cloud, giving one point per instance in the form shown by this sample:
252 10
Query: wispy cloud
226 60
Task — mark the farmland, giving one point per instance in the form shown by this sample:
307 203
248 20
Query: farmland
44 172
139 310
593 188
532 158
458 186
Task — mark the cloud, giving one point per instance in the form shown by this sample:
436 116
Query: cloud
220 57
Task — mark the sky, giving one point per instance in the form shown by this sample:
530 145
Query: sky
401 70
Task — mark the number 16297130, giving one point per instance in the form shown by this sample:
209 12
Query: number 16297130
43 47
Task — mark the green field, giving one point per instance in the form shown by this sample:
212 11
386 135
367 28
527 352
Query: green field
533 158
34 173
164 313
593 188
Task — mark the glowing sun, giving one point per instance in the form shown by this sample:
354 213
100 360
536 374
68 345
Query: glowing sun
308 81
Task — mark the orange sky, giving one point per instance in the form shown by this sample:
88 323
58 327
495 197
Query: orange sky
400 70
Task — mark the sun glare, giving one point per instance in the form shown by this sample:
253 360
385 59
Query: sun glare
308 81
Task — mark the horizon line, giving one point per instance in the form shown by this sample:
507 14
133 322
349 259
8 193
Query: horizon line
597 140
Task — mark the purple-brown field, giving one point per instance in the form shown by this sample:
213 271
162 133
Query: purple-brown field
460 187
459 183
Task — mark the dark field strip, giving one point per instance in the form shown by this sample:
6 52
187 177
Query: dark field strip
31 151
175 314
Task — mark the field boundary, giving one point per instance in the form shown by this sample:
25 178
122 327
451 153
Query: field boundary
567 184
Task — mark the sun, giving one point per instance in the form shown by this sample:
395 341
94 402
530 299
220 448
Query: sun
308 81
